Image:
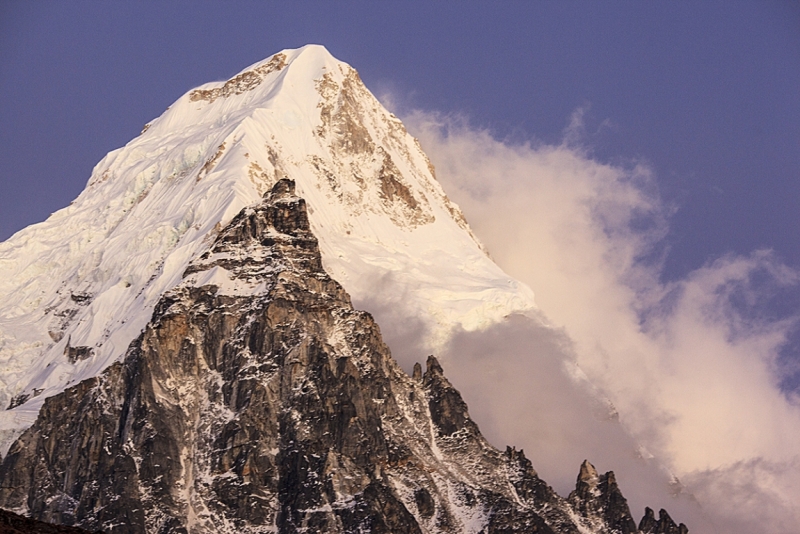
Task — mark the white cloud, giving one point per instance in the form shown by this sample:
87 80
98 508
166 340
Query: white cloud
687 365
518 380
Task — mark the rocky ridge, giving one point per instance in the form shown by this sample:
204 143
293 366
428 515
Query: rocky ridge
258 400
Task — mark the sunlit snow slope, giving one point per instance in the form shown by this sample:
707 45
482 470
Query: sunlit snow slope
76 289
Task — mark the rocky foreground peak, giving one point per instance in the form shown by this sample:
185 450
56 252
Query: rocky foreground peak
258 400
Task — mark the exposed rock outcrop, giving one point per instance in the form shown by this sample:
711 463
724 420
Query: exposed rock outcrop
599 500
258 400
663 525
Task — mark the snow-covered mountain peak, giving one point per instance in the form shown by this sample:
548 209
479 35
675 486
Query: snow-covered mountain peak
77 288
271 83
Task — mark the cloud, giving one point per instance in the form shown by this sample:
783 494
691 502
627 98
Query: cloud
690 365
751 496
520 381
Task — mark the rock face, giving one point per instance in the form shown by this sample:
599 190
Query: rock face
258 400
663 525
599 500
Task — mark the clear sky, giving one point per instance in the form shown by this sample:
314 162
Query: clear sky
705 95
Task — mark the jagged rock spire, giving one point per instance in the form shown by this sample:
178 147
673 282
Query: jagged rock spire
600 500
663 525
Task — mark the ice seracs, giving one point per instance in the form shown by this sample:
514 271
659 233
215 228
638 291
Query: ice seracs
77 288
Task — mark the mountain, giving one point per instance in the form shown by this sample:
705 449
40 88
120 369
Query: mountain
180 354
79 287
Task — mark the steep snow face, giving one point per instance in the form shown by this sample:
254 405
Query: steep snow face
76 289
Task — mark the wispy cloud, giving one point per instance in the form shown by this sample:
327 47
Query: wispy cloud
690 365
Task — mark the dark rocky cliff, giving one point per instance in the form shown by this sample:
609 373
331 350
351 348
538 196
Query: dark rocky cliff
11 523
258 400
